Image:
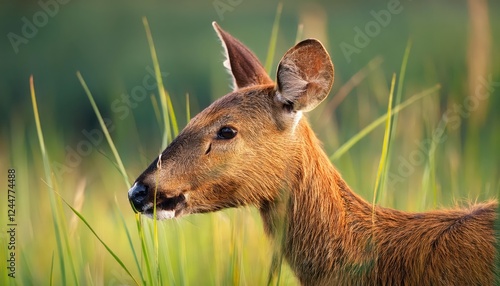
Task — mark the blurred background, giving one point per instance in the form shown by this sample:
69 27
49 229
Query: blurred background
453 43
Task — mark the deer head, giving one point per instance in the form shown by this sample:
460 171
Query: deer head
242 148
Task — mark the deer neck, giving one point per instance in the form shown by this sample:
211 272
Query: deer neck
311 219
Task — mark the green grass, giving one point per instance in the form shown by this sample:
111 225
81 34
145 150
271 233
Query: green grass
112 245
382 167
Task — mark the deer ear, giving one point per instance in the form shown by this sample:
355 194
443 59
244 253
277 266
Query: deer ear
241 63
305 76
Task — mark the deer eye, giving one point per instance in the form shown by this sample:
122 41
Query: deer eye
226 133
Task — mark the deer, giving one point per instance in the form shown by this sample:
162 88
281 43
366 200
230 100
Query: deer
254 147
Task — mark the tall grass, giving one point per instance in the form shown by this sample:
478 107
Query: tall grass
58 218
225 248
379 121
382 167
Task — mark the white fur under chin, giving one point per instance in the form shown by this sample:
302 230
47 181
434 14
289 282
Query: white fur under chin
162 214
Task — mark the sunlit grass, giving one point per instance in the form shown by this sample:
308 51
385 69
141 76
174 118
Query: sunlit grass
382 167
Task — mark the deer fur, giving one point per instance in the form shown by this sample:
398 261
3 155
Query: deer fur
327 233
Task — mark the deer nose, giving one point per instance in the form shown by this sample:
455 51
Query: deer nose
137 196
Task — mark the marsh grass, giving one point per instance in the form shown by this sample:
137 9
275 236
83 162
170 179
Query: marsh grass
225 248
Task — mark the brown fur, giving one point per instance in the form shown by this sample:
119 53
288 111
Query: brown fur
331 236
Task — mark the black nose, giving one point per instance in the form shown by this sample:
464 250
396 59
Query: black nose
137 196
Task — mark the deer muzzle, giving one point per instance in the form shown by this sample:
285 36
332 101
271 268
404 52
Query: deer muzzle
142 201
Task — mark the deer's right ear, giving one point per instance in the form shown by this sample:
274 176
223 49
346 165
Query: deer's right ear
241 63
305 76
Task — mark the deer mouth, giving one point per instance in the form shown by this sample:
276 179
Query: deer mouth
166 208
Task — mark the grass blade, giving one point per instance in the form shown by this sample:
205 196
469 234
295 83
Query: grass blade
399 95
365 131
104 130
170 128
129 238
155 229
173 118
48 178
161 88
188 108
274 38
401 80
385 148
100 240
140 230
41 140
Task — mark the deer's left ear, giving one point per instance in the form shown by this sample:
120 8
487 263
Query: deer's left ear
304 76
241 63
